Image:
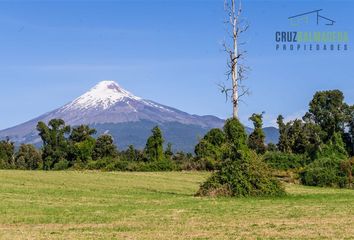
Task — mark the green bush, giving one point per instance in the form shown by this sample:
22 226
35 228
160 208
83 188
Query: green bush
61 165
162 165
101 163
117 164
285 161
327 170
243 177
324 172
242 172
28 157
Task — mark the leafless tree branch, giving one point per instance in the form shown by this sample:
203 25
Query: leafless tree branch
236 71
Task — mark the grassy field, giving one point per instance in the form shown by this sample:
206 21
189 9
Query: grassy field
96 205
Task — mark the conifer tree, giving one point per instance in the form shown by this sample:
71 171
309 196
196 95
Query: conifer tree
154 145
257 137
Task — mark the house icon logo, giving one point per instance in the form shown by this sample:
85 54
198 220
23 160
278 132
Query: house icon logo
305 18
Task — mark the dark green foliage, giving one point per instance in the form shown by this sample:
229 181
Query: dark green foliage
215 136
61 165
209 149
186 161
81 133
28 157
81 144
163 165
283 143
132 154
209 154
324 172
242 172
235 133
55 145
285 161
325 135
7 151
349 135
154 146
84 150
335 148
271 147
328 110
327 169
257 137
104 147
299 137
99 163
248 176
118 164
348 168
77 149
168 151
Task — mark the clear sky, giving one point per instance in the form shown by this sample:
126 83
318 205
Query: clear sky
166 51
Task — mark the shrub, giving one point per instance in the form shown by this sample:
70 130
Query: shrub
118 164
348 168
61 165
7 151
162 165
285 161
101 163
324 172
242 172
329 169
28 157
243 177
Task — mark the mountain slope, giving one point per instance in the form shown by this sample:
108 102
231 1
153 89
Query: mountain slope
129 119
108 107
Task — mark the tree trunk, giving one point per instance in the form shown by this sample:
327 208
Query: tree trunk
234 67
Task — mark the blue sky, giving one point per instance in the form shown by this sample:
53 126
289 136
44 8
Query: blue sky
166 51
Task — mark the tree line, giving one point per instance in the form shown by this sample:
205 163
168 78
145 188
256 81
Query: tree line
66 147
316 150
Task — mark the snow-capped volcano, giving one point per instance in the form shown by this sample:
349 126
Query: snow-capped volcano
108 104
102 96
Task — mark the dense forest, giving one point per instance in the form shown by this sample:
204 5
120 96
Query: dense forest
316 150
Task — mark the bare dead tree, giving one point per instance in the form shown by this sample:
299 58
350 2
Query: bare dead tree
236 70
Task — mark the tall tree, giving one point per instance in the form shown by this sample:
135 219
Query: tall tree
154 145
7 151
81 144
257 137
283 143
168 151
104 147
235 27
328 110
55 144
28 157
81 133
131 154
210 148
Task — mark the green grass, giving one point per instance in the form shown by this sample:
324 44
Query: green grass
98 205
